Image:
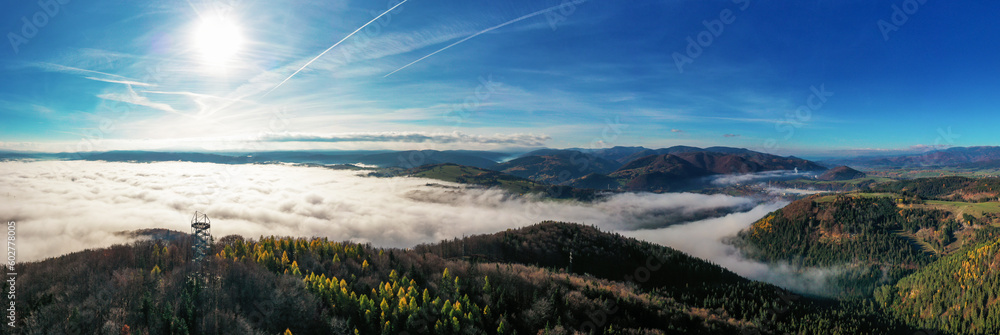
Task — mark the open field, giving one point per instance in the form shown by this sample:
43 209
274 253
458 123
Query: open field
958 207
842 182
890 174
830 198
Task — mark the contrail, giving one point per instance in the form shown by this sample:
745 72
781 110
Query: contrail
333 46
486 31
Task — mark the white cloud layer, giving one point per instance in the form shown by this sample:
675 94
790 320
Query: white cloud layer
62 206
66 206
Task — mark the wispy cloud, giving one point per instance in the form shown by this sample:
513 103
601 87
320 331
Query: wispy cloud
42 109
190 94
543 11
125 82
132 98
333 46
742 119
51 67
731 135
412 137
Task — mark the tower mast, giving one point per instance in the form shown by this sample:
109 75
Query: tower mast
201 232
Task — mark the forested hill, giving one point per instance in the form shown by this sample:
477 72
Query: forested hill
959 293
512 282
927 250
870 236
489 178
828 230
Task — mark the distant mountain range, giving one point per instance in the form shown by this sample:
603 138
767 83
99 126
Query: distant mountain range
643 169
604 161
681 167
967 157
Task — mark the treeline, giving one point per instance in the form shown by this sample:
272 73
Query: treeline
945 188
514 282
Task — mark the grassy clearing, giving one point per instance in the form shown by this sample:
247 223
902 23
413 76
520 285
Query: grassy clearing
924 246
830 198
958 207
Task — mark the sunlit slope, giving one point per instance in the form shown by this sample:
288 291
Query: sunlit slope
958 293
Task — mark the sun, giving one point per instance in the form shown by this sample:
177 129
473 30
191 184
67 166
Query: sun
217 40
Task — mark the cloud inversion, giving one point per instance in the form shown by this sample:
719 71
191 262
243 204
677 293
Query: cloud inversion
66 206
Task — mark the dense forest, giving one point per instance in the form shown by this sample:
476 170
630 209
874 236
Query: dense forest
872 236
550 278
957 293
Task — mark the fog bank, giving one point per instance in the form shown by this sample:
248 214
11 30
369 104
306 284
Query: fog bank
62 206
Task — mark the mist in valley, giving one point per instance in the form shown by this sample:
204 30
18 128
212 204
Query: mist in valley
67 206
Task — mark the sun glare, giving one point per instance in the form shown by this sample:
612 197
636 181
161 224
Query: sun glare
218 40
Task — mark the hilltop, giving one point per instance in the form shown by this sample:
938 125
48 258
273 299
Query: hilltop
841 173
489 178
555 166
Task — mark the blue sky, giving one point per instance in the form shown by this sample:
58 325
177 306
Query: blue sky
111 75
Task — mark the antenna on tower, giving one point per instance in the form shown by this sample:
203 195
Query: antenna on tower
201 231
